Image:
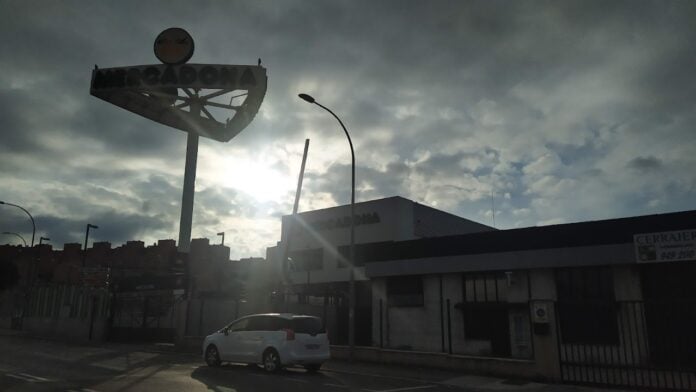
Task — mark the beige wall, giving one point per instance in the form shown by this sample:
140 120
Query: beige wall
418 328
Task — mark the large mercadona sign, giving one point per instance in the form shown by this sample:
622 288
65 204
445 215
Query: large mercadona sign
210 100
369 218
159 92
183 76
180 95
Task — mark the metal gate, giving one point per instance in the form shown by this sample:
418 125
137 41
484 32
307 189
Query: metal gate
636 344
143 316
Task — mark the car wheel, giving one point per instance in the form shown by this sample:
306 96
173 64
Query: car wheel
313 367
212 356
271 361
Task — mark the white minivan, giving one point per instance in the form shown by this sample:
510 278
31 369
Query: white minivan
272 340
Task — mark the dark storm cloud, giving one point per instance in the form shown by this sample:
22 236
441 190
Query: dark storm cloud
164 190
370 183
397 178
114 227
16 110
574 153
645 164
219 202
445 101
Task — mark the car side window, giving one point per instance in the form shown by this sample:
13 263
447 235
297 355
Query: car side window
308 325
241 325
279 323
255 324
266 323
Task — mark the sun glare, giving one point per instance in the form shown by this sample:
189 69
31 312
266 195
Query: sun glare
261 183
255 178
256 175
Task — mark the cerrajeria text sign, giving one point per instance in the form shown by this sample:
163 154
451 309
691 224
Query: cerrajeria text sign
665 246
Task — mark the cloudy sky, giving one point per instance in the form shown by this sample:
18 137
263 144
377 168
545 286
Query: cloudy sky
557 112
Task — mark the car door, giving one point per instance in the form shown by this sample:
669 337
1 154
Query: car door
233 340
245 338
266 331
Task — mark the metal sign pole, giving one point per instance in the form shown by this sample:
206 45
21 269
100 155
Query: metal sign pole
187 196
291 224
189 187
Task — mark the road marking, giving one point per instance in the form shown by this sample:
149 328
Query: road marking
337 385
296 380
19 377
27 377
125 361
37 378
402 389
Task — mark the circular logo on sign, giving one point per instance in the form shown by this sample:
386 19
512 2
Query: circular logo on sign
174 46
541 312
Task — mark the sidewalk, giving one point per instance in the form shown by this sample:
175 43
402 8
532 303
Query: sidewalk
450 378
470 382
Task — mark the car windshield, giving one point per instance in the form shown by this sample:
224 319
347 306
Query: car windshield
308 325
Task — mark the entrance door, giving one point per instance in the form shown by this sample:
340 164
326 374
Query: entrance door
670 311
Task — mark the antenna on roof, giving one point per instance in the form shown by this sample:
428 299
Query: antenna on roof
493 207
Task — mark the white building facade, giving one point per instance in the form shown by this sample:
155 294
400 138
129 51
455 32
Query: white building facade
318 242
317 248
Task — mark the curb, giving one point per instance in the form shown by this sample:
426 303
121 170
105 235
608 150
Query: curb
536 387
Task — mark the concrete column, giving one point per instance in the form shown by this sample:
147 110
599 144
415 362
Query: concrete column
379 293
546 355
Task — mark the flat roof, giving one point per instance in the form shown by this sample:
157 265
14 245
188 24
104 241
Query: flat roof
581 234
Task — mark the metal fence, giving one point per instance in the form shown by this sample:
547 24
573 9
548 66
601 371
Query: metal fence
60 301
636 344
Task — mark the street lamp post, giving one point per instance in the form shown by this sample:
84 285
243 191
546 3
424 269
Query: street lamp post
33 230
84 255
351 284
222 233
16 235
41 240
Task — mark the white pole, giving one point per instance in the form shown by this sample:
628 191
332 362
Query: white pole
189 185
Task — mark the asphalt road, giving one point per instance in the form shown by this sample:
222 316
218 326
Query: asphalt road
40 365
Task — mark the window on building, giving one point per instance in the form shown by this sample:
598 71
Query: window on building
307 259
405 290
587 308
484 287
344 257
485 310
491 314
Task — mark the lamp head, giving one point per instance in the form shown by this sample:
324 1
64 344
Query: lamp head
306 97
